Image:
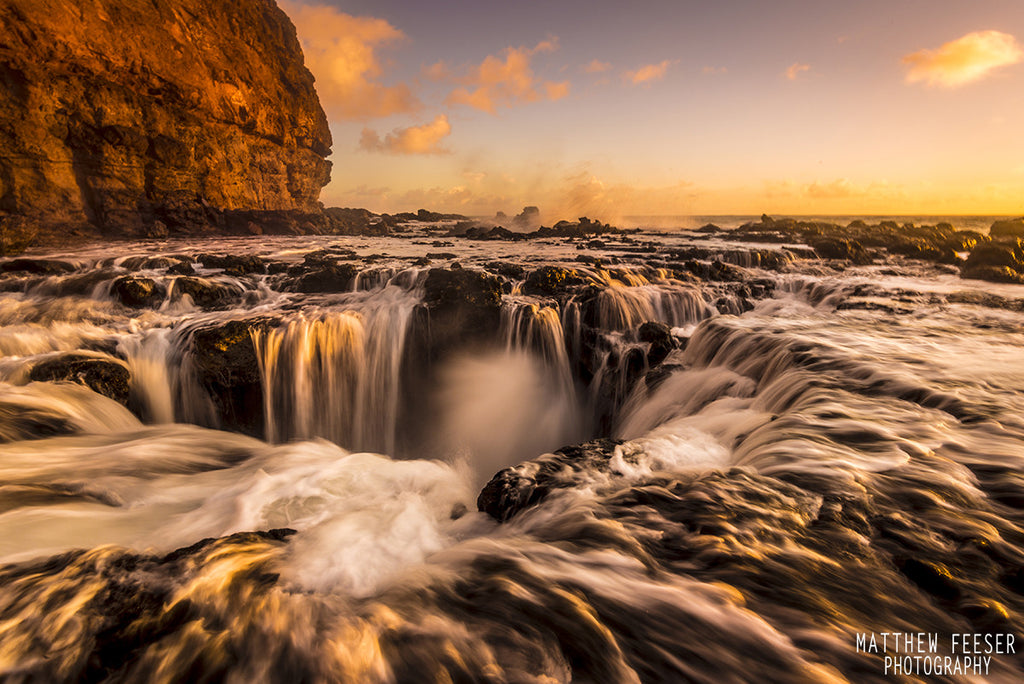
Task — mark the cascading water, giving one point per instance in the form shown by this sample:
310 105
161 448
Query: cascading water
335 373
528 327
795 476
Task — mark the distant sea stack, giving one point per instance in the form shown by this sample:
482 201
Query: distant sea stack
143 117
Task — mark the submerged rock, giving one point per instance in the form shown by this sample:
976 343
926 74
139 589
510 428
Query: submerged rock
128 601
138 292
520 487
659 337
103 375
36 266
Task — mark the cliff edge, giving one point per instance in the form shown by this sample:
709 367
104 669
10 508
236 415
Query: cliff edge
135 117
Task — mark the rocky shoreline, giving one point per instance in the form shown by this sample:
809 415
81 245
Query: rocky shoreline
596 277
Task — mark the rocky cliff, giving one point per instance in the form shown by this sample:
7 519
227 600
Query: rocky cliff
137 116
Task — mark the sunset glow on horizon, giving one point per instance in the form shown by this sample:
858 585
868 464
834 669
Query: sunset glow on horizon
671 108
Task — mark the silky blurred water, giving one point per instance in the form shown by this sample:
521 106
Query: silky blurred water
845 457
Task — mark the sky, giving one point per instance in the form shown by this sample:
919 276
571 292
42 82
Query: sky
610 109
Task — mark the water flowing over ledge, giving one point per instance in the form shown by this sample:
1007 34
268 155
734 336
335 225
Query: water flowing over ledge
281 461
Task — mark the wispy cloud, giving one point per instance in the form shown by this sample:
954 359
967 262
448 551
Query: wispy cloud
341 52
507 80
425 139
963 60
836 189
795 69
648 72
714 71
596 66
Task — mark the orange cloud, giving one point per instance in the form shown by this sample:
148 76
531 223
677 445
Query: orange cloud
963 60
837 189
425 139
596 66
507 81
713 71
584 194
438 71
648 73
794 70
341 52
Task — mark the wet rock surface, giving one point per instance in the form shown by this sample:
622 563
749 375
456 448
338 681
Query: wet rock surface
997 262
464 308
227 367
853 242
105 376
516 489
138 292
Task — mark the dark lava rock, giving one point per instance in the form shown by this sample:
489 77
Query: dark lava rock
464 307
709 229
182 268
225 362
964 240
233 264
157 230
330 277
145 263
206 294
996 262
520 487
225 353
1007 228
495 233
658 375
459 287
105 376
840 248
659 337
138 292
924 249
715 271
37 266
993 274
996 255
507 269
548 281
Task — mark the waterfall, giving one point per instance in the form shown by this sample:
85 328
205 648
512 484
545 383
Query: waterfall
538 329
335 374
624 308
147 357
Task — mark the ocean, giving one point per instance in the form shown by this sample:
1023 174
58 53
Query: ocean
425 458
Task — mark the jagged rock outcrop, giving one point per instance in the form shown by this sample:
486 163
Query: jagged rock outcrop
517 488
138 118
103 375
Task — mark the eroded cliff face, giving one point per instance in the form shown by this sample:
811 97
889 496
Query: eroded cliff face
131 115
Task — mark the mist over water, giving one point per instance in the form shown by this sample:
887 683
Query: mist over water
286 487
